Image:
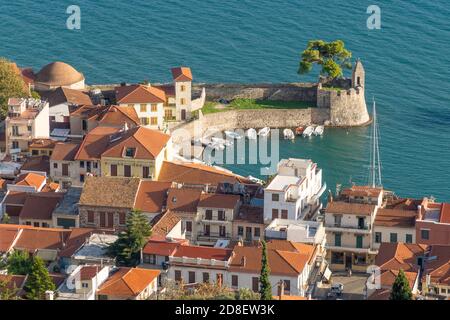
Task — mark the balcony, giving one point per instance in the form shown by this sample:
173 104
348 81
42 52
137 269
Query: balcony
20 136
212 236
215 220
365 229
347 248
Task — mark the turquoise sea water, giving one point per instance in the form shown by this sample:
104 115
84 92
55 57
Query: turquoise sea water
407 64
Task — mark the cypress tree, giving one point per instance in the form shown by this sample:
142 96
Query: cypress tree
400 289
128 246
265 290
38 281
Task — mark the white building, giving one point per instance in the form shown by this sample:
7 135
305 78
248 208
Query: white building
312 232
295 191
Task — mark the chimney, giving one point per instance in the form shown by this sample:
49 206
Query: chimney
49 295
243 261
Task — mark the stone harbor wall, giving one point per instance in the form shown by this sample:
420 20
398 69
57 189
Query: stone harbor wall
306 92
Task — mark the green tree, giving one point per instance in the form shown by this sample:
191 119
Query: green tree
266 289
38 281
6 291
5 218
19 263
331 56
128 246
11 85
247 294
35 95
400 289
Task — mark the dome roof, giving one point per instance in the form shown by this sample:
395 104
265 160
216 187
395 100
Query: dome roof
59 74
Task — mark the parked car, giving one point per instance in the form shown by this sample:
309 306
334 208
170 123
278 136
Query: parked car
337 289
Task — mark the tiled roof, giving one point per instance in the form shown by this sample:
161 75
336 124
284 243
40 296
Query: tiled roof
187 251
15 198
161 248
65 151
75 241
183 200
116 192
164 223
88 272
388 277
193 173
398 256
395 218
37 163
250 214
350 208
33 238
445 213
128 282
40 206
66 95
7 236
30 180
139 94
362 191
151 196
42 144
147 143
438 264
217 200
117 116
95 143
169 89
182 74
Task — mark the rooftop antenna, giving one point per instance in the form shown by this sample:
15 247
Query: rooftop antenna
375 161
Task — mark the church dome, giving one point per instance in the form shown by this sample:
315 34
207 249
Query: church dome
59 74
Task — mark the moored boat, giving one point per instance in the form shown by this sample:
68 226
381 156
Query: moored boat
251 134
233 135
264 132
288 134
319 130
308 131
299 130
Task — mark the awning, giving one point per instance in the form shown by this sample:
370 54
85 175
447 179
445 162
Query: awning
327 274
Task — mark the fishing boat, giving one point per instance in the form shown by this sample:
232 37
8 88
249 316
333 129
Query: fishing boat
299 131
233 135
222 141
288 134
308 131
264 132
251 134
319 130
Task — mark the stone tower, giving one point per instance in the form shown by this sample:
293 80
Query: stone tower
358 75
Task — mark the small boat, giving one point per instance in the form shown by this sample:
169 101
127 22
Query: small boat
233 135
251 134
319 130
216 146
308 131
264 132
222 141
288 134
299 130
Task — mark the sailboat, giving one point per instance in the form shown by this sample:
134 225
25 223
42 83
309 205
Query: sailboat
375 161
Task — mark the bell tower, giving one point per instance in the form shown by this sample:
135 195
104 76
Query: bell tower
358 75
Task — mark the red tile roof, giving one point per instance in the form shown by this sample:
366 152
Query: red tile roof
151 196
7 237
88 272
395 218
216 200
95 143
182 74
164 223
398 256
445 213
139 94
362 191
31 180
161 248
438 264
128 282
350 208
65 151
183 200
118 116
220 254
40 206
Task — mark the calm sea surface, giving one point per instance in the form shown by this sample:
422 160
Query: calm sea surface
407 64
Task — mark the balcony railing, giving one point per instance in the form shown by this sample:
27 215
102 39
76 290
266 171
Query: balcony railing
213 236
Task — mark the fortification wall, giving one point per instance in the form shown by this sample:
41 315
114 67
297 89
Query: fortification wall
266 91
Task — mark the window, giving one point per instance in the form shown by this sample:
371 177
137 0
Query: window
129 152
90 218
284 214
168 114
257 232
94 165
34 152
425 234
222 231
143 121
408 238
208 214
234 281
84 125
361 222
240 231
145 172
337 258
378 237
143 107
191 277
274 213
337 239
178 275
183 88
255 284
183 101
393 238
85 285
359 241
29 128
337 220
113 170
287 286
28 223
188 226
36 224
15 145
81 164
65 170
205 276
55 166
275 197
127 170
122 218
81 177
154 121
154 107
45 225
221 215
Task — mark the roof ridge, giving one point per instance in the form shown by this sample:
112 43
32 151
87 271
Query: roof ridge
279 252
131 85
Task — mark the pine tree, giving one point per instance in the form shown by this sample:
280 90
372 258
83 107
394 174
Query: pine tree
400 289
38 281
128 246
266 289
19 263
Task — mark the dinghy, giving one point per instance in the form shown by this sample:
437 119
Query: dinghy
251 134
233 135
318 131
264 132
308 131
288 134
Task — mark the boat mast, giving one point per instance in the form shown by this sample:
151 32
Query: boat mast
375 166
